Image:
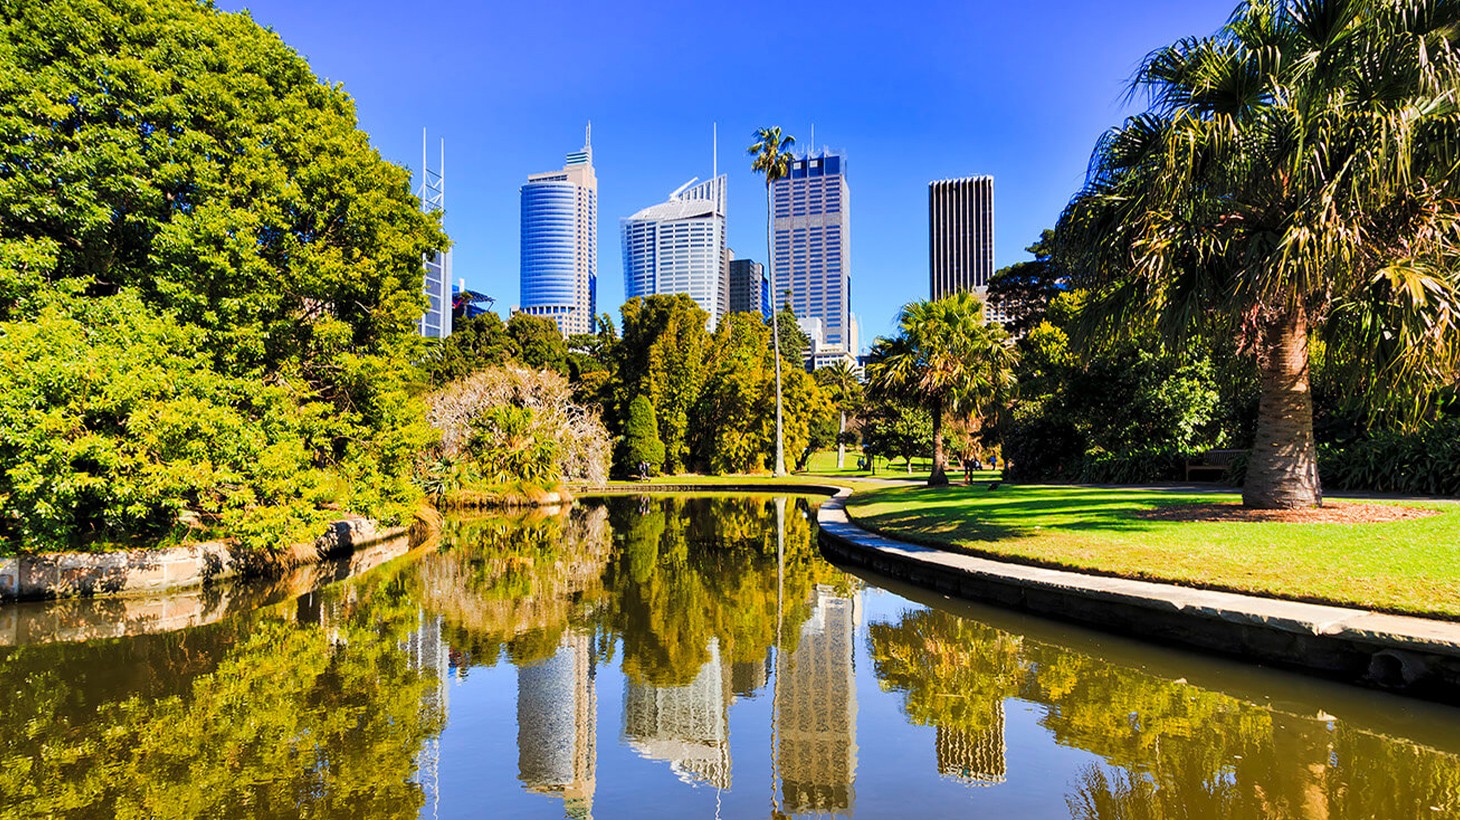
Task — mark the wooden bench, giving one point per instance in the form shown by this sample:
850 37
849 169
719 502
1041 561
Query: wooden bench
1213 462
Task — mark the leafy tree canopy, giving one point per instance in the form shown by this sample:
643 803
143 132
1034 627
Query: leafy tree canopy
167 162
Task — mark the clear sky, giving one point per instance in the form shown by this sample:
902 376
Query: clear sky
910 91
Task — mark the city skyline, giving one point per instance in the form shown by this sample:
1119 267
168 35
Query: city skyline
929 106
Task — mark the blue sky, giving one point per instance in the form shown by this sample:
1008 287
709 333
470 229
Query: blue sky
910 91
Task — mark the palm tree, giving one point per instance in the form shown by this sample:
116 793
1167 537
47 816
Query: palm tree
772 154
844 388
947 358
1292 179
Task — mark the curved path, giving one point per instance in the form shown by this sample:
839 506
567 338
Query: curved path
1416 656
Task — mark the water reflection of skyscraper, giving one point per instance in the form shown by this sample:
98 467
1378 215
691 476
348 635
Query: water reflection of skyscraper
686 726
817 709
974 757
557 721
429 654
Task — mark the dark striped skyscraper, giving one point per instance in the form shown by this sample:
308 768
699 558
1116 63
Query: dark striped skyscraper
960 235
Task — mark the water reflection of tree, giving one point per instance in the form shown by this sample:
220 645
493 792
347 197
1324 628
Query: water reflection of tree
284 719
517 583
954 674
692 569
1171 749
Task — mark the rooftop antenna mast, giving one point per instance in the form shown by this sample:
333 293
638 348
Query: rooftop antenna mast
714 150
432 192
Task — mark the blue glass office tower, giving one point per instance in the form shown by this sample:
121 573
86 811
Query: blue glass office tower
812 247
560 244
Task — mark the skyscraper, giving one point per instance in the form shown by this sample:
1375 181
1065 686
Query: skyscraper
560 243
812 246
960 235
436 321
750 291
678 246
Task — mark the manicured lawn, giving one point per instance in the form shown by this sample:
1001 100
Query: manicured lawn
1405 566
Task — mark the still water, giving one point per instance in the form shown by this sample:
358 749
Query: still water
682 657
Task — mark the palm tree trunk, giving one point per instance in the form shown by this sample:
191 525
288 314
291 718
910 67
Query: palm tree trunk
1282 469
841 449
939 476
770 266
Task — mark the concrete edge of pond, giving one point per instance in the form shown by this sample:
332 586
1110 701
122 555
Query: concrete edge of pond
1409 655
151 571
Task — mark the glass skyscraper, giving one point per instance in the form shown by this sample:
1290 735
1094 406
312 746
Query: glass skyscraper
812 247
750 292
678 246
560 244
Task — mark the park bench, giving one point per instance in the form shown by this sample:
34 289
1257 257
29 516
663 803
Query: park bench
1213 463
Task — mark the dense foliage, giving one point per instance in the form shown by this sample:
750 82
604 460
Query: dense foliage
509 424
1421 462
220 274
1126 411
947 358
640 443
1291 181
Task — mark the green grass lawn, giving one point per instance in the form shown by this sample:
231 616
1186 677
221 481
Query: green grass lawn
1404 566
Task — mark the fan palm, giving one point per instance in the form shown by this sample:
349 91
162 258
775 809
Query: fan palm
843 387
1292 179
772 154
947 358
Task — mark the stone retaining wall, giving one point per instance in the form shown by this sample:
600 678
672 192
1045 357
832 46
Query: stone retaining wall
113 616
144 571
1413 656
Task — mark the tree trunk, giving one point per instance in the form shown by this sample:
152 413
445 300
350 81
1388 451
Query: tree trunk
1282 468
841 450
939 476
770 266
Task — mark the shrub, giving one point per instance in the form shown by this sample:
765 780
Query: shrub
1042 448
1425 462
641 438
1135 466
114 427
487 418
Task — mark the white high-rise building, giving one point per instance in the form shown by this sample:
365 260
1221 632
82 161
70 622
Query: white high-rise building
678 246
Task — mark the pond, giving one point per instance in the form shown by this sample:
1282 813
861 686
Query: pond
683 656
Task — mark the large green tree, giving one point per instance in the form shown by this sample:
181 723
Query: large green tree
663 355
772 153
1022 291
948 359
732 421
161 157
1293 177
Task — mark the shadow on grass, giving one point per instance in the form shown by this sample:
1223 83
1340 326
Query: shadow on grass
947 515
